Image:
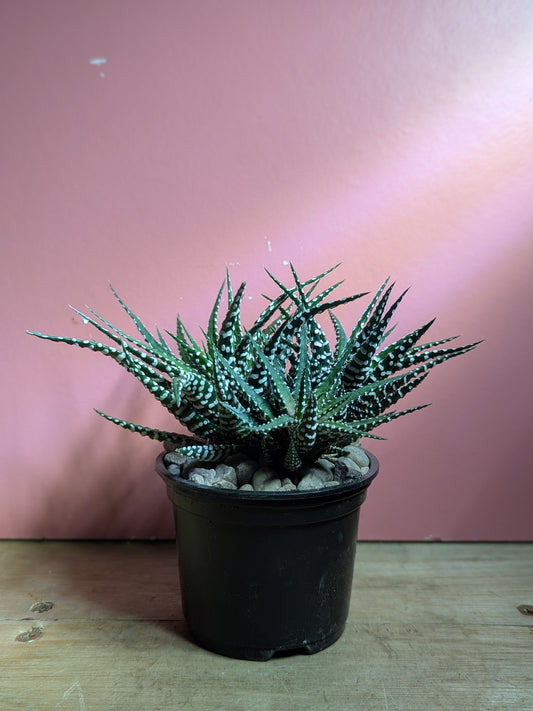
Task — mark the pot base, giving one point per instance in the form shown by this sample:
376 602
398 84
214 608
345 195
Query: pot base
251 654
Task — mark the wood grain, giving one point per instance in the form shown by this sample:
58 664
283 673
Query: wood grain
432 626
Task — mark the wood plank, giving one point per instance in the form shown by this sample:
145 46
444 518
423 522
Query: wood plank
480 583
144 665
432 626
90 579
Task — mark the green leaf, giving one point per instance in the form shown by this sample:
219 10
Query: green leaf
277 379
371 422
207 452
145 333
306 431
302 380
244 391
227 340
212 328
322 357
199 392
276 424
242 420
292 461
158 435
340 335
343 428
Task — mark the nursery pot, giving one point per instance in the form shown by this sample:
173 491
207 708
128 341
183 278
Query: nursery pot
263 572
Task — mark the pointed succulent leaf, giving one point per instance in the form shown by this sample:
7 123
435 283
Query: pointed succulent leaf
177 386
145 333
350 430
111 331
430 358
199 392
83 343
244 391
306 431
190 352
229 288
315 281
336 407
277 379
292 461
191 357
377 401
207 452
269 448
315 305
330 305
435 344
340 334
322 357
277 423
212 328
301 380
385 360
227 340
331 384
166 351
159 357
304 393
235 424
240 415
158 435
244 358
221 383
268 313
204 427
370 339
370 423
367 312
155 383
289 293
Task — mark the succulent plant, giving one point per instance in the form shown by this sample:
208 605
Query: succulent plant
277 388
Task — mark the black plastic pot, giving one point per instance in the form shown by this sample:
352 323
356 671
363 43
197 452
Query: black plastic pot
263 572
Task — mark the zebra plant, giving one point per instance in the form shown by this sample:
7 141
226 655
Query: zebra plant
278 388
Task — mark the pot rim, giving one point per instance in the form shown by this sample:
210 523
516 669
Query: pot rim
283 498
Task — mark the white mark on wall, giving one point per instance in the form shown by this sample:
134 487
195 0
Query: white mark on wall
269 244
286 262
76 687
98 62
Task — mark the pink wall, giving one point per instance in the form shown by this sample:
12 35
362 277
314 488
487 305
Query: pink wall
395 136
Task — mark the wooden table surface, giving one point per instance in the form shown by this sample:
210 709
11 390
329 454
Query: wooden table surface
98 627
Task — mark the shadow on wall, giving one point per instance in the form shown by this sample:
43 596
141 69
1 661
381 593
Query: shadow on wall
108 487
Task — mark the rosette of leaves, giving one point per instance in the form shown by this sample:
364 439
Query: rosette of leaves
278 390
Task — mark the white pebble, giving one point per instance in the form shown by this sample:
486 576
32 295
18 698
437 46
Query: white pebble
203 476
272 485
261 476
226 473
224 484
357 455
310 481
